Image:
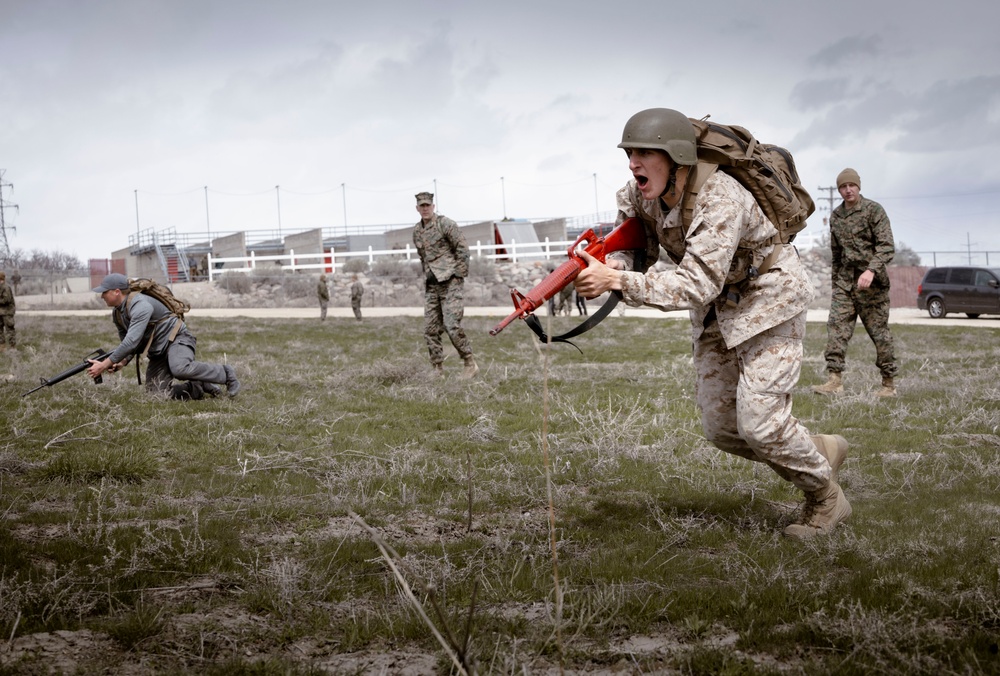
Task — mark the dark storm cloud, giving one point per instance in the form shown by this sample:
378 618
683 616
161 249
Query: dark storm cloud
106 96
950 116
818 94
847 51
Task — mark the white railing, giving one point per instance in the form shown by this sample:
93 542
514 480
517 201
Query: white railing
329 261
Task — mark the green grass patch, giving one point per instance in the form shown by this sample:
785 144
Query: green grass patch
218 537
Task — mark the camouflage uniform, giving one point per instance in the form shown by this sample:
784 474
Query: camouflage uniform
860 239
747 356
444 256
7 309
323 293
357 293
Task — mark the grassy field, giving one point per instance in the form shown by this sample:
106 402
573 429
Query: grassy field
350 513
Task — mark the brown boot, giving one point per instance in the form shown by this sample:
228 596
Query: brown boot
888 388
471 368
833 447
834 385
821 513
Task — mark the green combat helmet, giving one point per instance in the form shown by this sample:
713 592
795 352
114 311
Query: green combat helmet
663 129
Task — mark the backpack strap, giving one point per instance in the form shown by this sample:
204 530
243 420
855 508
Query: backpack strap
120 323
695 182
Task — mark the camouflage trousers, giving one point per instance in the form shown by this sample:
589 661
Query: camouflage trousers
322 308
872 306
356 307
444 307
745 398
7 331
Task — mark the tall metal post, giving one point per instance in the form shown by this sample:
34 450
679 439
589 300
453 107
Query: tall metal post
277 194
208 223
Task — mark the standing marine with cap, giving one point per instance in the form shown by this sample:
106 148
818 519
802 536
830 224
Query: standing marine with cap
747 355
145 325
444 256
862 246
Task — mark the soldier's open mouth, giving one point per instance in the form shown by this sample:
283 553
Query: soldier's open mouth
641 180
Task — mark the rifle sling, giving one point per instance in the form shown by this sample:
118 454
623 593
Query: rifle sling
584 326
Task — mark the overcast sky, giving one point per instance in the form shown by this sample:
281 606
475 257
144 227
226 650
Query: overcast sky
129 115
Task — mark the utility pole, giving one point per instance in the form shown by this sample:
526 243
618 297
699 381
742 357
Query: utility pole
4 244
831 199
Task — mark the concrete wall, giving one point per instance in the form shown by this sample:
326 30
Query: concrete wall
399 238
481 233
310 241
376 242
554 229
143 265
903 283
230 246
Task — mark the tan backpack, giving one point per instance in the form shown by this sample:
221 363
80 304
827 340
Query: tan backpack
767 171
161 293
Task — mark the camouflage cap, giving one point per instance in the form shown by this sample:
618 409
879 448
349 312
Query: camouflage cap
848 176
425 198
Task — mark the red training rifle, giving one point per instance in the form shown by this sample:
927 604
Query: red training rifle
628 236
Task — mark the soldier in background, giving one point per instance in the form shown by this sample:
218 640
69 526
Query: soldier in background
444 257
323 293
7 307
862 246
357 293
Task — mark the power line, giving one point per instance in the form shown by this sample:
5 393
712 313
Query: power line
4 244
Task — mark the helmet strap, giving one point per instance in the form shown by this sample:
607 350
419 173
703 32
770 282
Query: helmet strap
671 186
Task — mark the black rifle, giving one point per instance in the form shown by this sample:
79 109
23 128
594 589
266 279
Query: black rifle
98 355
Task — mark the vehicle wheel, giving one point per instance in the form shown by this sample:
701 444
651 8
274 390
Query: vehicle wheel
972 315
935 308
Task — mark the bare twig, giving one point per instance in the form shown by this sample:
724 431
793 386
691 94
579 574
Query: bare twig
548 487
468 526
13 630
382 547
61 437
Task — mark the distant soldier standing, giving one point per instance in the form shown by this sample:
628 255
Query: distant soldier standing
444 256
7 307
357 293
323 292
862 245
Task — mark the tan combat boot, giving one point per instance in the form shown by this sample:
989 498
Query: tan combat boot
888 388
833 447
834 385
471 368
821 513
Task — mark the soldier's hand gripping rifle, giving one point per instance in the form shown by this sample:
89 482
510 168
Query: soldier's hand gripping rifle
97 355
630 235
